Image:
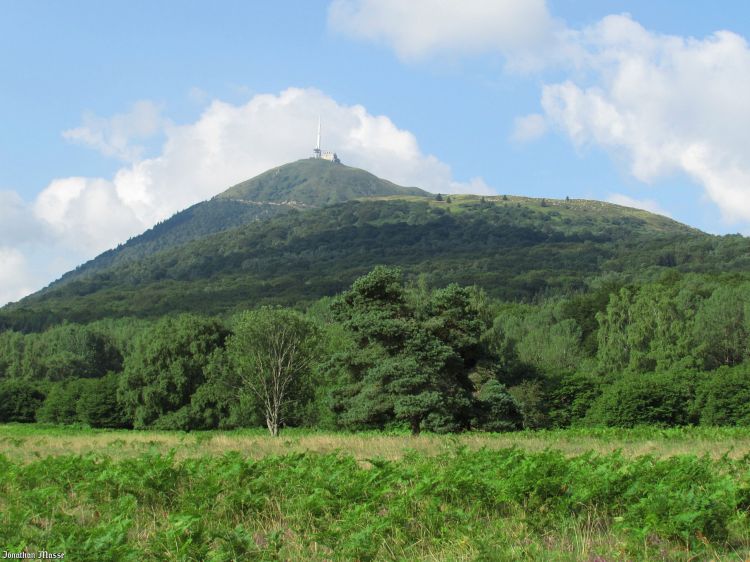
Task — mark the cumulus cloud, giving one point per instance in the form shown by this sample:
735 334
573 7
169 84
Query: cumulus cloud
645 204
420 28
664 104
114 136
15 278
529 128
76 218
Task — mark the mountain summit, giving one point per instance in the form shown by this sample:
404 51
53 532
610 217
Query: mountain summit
314 182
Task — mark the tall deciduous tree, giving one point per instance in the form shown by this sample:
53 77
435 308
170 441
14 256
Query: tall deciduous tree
272 350
721 327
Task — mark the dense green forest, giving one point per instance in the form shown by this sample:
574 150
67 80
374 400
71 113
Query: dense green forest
393 353
490 313
513 250
294 235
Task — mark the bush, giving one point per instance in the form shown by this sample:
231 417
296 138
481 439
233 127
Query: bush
724 398
571 396
531 397
98 405
497 409
658 399
174 421
62 399
19 401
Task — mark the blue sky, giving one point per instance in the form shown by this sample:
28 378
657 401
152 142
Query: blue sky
117 114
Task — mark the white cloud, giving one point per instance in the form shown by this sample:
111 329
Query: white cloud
16 220
15 277
666 105
529 128
113 136
419 28
76 218
645 204
85 215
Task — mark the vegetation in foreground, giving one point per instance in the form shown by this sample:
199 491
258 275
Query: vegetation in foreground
505 504
603 494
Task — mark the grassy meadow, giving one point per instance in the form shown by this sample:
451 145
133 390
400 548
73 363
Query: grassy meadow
604 495
27 443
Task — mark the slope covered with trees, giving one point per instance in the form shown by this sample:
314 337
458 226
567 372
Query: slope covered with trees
514 248
303 184
387 353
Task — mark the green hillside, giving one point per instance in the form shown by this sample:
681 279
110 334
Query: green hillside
303 184
314 183
515 248
202 219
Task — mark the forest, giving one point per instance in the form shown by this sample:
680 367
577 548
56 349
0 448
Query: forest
392 352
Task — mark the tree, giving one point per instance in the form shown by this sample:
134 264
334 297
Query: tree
19 400
165 368
272 349
720 331
407 364
646 329
497 409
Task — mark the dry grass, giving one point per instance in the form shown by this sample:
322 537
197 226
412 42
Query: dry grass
28 443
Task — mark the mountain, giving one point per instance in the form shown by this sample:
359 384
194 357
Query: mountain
333 223
304 184
314 183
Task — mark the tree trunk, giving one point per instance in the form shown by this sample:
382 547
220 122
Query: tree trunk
272 423
415 426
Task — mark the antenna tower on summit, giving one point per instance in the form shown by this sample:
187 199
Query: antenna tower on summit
318 154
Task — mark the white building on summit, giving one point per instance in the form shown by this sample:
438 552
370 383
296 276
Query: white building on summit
325 155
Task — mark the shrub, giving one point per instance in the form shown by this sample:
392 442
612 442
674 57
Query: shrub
19 401
570 398
62 399
497 409
98 405
530 396
724 398
658 399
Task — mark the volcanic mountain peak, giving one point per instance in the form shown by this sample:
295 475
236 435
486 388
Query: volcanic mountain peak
314 182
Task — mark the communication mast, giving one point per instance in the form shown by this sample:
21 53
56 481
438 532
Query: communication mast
316 152
327 155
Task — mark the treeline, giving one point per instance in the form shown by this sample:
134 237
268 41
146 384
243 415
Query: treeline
387 354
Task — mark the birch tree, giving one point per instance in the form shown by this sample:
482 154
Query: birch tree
272 350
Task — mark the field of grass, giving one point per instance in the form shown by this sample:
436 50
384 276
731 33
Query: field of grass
27 443
598 495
